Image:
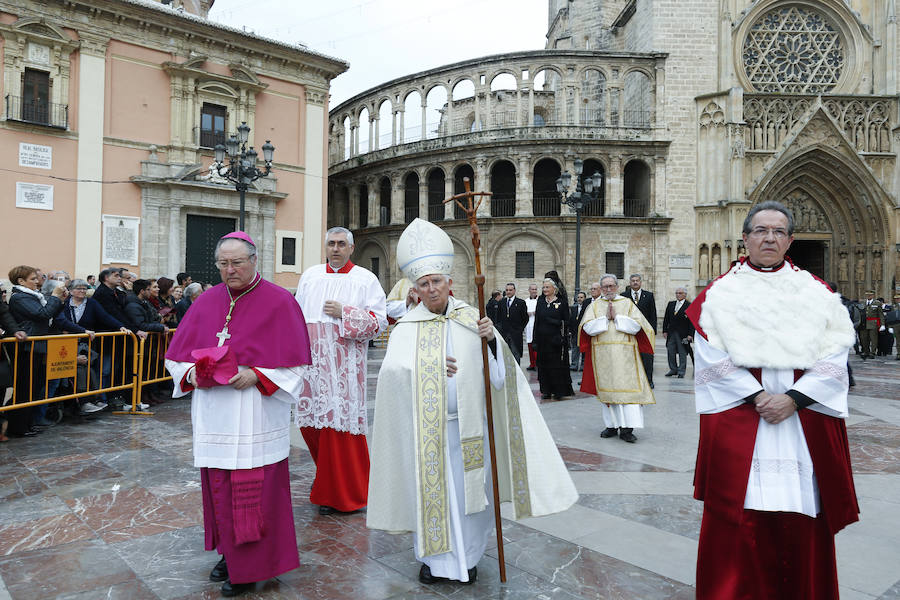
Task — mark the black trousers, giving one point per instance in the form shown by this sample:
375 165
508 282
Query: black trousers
647 360
675 349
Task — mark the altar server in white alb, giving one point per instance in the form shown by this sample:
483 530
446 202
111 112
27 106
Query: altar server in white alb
344 306
431 471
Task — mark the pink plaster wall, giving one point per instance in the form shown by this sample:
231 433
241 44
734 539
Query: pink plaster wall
137 103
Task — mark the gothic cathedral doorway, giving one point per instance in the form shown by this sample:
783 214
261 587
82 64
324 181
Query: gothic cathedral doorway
202 234
810 255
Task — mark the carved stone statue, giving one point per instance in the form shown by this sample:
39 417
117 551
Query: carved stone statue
843 268
704 263
716 268
876 267
860 267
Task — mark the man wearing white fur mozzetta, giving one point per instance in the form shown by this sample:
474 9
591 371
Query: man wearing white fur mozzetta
773 465
430 459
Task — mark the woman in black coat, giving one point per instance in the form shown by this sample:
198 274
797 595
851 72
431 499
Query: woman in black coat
550 319
33 312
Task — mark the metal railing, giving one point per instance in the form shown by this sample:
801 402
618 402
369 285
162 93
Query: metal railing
545 205
410 213
91 365
435 212
503 206
209 138
636 207
49 114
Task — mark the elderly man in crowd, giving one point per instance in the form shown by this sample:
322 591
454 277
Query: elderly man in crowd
240 351
613 336
430 463
773 466
191 292
677 330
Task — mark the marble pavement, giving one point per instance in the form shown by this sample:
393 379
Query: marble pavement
111 509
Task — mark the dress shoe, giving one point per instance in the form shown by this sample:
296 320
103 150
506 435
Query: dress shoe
671 373
427 578
627 436
651 385
546 396
229 590
609 432
473 575
681 376
219 572
530 369
327 510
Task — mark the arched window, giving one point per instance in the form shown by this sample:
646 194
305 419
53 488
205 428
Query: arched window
593 98
384 202
410 197
597 208
436 106
637 100
412 118
436 195
503 188
545 198
502 101
385 125
459 187
637 189
363 131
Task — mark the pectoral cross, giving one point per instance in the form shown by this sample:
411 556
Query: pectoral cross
223 335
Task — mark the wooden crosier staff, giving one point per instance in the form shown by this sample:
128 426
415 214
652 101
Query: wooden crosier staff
470 209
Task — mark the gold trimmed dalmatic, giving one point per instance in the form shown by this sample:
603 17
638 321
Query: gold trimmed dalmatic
615 360
408 488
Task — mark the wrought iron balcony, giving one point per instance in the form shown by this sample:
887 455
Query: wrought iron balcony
47 114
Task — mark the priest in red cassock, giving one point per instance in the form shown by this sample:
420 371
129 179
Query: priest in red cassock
773 465
344 306
239 350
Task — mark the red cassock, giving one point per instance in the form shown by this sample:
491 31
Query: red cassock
752 554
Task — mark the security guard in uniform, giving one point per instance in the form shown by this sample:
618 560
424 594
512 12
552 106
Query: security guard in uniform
868 329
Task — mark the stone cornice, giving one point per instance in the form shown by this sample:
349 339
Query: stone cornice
150 182
159 27
93 45
242 77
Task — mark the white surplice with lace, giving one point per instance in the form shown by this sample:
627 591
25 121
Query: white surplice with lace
333 394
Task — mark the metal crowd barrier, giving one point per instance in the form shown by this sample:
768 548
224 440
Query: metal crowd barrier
54 357
129 364
151 361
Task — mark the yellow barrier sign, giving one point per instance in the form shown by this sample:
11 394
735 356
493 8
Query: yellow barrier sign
61 358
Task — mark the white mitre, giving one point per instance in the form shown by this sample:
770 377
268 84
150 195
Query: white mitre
424 249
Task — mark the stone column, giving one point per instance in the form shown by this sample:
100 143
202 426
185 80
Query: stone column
448 191
398 199
400 138
477 124
353 205
374 207
377 142
449 130
531 105
891 49
89 196
175 259
316 174
659 182
423 196
615 204
371 145
424 118
482 184
576 117
524 204
518 105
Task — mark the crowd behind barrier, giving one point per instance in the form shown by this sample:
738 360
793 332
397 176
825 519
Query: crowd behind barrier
74 371
75 347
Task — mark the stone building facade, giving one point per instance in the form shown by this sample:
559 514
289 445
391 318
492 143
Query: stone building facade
692 111
112 109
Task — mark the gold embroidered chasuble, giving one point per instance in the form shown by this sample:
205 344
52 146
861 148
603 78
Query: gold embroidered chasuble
618 372
408 484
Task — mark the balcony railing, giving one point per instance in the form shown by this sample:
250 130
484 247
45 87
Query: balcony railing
209 138
636 118
435 212
38 113
545 205
636 207
503 206
410 213
384 215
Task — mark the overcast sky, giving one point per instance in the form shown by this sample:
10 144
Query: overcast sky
384 39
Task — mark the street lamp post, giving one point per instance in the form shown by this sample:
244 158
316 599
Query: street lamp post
241 168
577 200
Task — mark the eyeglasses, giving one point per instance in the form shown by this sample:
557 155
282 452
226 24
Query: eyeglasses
79 289
763 232
237 264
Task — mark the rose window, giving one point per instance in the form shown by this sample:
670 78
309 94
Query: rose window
794 50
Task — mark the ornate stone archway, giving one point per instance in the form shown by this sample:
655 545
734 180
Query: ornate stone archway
839 207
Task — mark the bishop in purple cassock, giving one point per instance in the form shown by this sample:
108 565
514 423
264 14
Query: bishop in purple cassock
240 348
